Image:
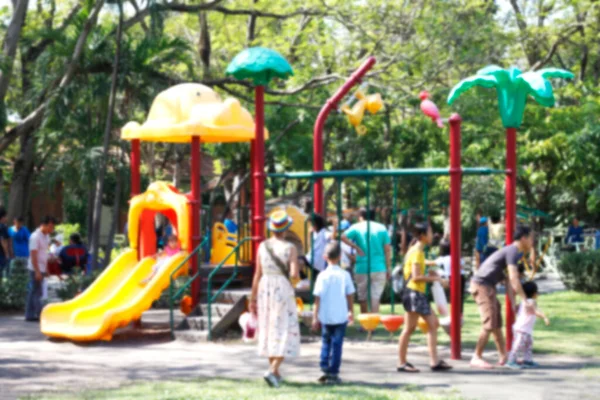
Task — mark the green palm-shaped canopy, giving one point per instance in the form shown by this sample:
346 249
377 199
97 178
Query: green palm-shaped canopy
512 87
260 65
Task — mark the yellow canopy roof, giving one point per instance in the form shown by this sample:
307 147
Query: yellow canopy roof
191 109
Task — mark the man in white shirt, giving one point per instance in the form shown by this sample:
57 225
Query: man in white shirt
334 304
39 243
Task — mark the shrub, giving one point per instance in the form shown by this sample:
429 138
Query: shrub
76 284
581 271
13 291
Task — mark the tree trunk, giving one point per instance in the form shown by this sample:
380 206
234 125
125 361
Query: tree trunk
115 219
204 45
105 145
9 47
90 213
22 172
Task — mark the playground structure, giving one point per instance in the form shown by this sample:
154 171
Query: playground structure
193 113
187 113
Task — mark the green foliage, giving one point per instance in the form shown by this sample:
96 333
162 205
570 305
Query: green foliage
66 230
581 271
76 284
13 290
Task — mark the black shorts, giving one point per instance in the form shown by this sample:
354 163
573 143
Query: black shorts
414 301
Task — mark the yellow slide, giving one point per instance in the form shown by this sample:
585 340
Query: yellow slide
114 299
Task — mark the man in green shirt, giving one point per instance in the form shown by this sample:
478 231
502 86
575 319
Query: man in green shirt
372 243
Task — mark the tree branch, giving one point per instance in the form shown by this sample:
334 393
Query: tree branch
570 30
33 120
255 13
34 51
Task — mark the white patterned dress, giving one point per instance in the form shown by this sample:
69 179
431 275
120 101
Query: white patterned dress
278 329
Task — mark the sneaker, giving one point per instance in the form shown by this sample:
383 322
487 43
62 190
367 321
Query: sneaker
334 380
530 364
271 379
513 365
323 379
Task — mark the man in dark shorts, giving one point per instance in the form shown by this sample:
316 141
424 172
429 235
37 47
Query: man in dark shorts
483 289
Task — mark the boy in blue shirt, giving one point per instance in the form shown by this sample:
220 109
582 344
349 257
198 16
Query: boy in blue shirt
333 310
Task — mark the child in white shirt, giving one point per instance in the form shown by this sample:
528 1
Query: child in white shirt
523 330
333 310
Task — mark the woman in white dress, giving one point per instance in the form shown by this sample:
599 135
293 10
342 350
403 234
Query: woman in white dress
273 298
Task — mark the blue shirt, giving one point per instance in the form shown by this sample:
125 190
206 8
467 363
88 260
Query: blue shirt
482 238
378 240
575 234
20 241
230 225
332 287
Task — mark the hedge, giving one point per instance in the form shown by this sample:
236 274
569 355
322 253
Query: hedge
581 271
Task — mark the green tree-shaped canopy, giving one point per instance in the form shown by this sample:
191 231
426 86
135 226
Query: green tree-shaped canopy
260 65
512 87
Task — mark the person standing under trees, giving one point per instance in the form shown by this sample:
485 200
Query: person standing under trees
483 289
37 265
481 241
4 245
20 239
273 298
363 236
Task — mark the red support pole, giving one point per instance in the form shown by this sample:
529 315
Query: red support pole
331 104
511 214
455 242
195 205
252 202
135 167
258 170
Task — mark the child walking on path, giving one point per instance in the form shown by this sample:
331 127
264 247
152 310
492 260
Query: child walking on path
523 330
334 306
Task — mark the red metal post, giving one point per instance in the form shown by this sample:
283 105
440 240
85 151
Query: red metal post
135 167
455 242
252 202
258 171
511 214
331 104
195 206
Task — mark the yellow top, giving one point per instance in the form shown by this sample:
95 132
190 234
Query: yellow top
190 109
414 256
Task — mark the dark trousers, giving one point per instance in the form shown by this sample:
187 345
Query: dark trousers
463 287
332 337
33 309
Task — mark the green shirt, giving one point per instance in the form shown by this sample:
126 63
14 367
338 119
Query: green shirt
378 239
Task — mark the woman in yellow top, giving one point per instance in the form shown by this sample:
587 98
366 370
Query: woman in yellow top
416 304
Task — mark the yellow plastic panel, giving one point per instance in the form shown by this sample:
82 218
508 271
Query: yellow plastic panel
190 109
114 300
160 197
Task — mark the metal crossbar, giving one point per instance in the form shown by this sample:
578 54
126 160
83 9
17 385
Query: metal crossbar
372 173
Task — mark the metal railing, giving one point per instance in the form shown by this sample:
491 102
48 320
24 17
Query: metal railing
173 297
210 297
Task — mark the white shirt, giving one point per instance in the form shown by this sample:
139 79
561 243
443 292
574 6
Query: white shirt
39 242
318 247
332 287
445 264
525 321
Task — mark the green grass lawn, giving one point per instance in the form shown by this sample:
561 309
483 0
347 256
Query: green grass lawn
242 390
574 325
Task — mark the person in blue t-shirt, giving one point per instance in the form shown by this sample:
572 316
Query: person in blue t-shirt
20 238
574 233
229 223
481 242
